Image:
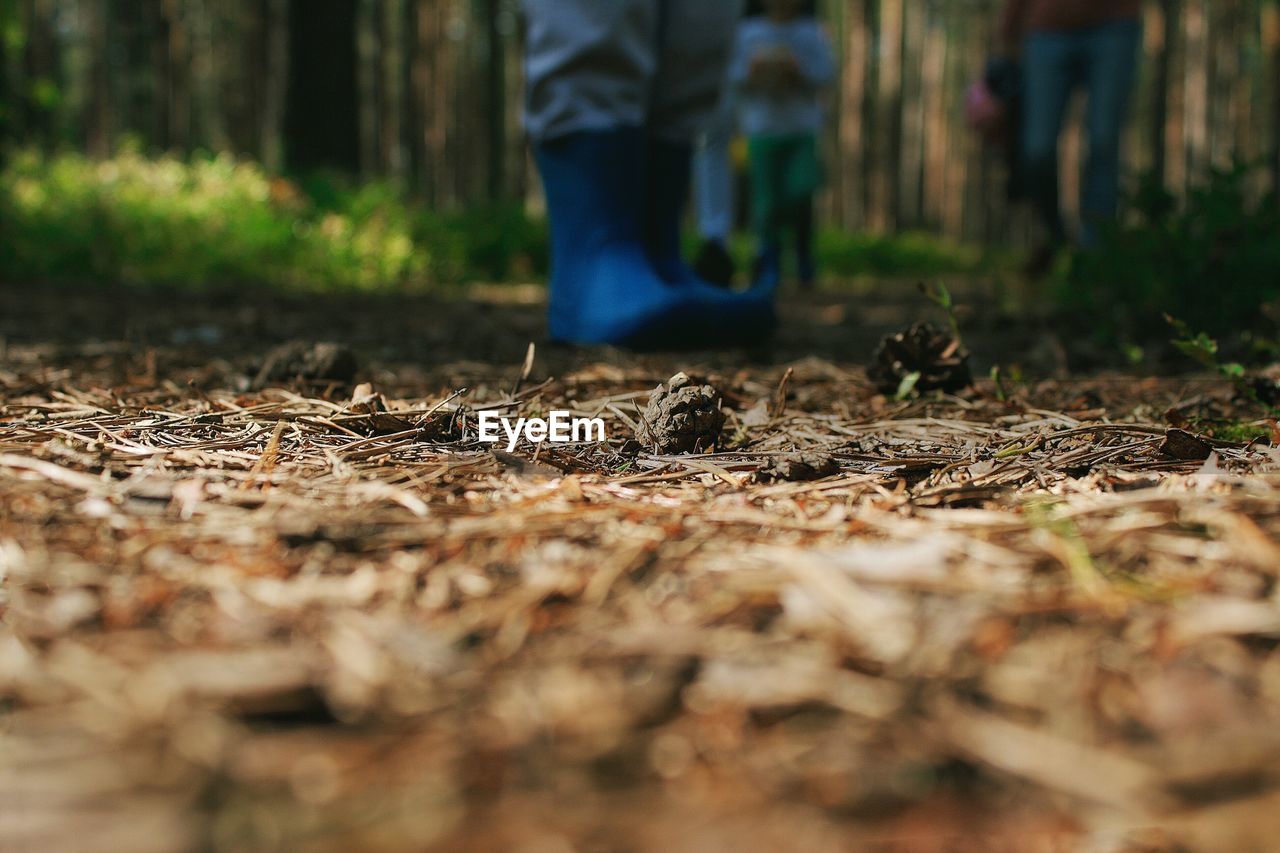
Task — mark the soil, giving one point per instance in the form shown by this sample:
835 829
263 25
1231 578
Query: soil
320 615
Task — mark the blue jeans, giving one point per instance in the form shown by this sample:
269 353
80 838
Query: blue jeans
1104 61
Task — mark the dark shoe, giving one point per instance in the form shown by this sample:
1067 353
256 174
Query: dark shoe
604 285
714 264
807 272
806 269
766 272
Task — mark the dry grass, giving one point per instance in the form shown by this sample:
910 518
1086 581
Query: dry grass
287 619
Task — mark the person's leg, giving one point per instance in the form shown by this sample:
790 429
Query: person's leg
713 191
1048 79
694 41
713 175
767 159
806 265
1112 68
590 67
803 178
696 38
604 289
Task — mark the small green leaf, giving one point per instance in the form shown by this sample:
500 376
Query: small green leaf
1179 327
908 385
999 383
938 294
1202 349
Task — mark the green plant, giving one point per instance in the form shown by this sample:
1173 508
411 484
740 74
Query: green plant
203 221
1204 350
218 220
908 386
845 255
497 242
997 379
940 295
1215 257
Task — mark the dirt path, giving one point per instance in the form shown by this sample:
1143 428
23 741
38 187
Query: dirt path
240 615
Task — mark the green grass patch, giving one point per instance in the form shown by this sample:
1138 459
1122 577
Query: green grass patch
219 221
216 221
204 221
844 255
1238 431
847 255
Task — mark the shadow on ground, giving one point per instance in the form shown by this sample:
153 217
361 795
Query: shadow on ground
483 324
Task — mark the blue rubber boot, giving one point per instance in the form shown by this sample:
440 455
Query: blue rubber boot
670 174
604 287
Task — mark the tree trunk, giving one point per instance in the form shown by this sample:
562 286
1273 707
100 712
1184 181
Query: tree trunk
871 162
321 113
425 84
412 116
495 103
41 74
911 121
158 33
852 105
276 63
136 83
368 85
208 72
1271 40
390 47
100 127
1160 91
889 117
1196 118
936 121
179 65
7 92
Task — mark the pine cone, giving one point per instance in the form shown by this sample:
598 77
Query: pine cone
681 417
798 468
310 362
1265 386
938 357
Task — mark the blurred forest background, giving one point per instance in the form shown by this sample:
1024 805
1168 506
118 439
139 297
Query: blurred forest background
362 102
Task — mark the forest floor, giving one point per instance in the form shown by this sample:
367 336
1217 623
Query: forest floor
318 616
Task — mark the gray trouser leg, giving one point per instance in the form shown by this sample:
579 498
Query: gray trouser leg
713 173
589 64
693 55
600 64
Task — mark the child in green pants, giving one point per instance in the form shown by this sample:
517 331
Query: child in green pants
781 62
